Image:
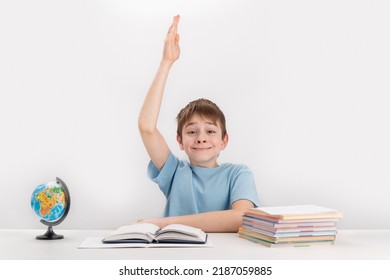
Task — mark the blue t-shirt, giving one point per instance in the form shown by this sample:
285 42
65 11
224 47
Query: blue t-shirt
193 189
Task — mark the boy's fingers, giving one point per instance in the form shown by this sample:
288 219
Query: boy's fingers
174 26
176 20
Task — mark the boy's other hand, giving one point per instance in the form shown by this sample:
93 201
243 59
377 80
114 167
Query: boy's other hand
171 47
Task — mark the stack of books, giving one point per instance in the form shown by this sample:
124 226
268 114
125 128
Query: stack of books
298 225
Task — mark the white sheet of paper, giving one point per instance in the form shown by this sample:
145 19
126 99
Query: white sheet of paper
96 243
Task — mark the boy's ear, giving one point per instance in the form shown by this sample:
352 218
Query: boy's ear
225 141
180 141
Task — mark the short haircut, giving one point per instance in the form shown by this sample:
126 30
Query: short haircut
204 108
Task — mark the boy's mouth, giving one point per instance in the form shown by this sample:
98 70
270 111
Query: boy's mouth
201 149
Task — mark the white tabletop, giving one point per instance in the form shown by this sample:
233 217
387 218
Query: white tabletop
350 244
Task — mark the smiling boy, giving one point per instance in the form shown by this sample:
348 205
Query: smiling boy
199 192
202 132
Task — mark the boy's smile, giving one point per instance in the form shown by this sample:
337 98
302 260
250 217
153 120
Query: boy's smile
202 141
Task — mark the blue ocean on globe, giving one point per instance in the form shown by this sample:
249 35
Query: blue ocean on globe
48 201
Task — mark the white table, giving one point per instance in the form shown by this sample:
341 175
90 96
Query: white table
350 245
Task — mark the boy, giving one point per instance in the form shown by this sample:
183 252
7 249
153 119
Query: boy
200 193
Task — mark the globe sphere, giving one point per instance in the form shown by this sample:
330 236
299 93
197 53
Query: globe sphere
49 201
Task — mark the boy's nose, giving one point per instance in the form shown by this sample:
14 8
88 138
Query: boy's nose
201 138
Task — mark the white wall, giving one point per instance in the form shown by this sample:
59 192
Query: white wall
304 85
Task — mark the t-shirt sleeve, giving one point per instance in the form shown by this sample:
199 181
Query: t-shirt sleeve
244 187
164 176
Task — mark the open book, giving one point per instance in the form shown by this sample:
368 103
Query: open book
150 233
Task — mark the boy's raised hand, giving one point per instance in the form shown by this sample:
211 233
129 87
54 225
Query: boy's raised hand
171 47
153 140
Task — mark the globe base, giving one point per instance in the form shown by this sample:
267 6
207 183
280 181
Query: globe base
50 235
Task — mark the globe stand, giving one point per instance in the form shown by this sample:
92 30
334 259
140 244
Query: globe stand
50 235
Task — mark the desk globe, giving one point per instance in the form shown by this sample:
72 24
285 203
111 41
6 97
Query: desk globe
51 202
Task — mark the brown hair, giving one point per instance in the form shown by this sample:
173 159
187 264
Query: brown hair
204 108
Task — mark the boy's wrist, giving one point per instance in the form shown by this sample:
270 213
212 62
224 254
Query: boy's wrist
166 63
166 221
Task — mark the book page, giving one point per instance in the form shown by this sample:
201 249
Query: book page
182 229
181 233
136 228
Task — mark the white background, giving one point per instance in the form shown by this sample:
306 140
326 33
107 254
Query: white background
304 86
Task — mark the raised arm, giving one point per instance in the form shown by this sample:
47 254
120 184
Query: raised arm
154 142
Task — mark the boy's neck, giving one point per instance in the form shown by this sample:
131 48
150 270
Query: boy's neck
212 164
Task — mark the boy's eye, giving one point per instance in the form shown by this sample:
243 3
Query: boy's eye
211 131
191 132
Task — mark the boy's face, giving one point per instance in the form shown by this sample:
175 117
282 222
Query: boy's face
202 141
